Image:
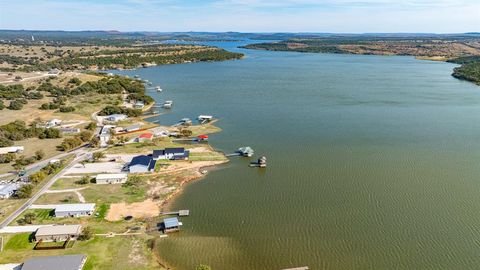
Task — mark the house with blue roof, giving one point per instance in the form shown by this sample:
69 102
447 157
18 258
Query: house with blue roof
142 164
171 154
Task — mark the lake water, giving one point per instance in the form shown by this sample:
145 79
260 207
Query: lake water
373 163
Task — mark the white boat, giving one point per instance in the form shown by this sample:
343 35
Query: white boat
158 88
167 104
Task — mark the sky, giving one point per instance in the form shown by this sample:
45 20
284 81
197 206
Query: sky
334 16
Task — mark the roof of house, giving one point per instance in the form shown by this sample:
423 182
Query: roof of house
143 161
58 230
66 262
75 207
133 127
146 135
8 188
117 116
171 222
110 176
203 136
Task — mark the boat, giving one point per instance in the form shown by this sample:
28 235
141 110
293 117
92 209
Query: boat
158 88
203 171
261 163
167 104
245 151
185 122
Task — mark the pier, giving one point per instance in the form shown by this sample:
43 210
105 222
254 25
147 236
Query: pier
180 213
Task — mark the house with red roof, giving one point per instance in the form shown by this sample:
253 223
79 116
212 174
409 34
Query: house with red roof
144 137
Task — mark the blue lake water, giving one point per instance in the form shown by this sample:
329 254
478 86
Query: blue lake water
372 163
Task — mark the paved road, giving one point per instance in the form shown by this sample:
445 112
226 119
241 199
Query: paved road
45 187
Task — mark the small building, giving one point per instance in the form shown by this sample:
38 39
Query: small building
113 178
171 225
54 72
132 128
116 117
139 105
74 210
7 190
142 164
58 233
65 262
11 149
171 154
68 130
144 137
53 123
105 135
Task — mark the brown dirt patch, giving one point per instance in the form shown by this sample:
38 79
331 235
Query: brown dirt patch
145 209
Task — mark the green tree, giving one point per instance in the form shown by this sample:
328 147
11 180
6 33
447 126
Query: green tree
87 233
85 135
25 191
29 218
39 154
38 177
97 156
84 180
91 126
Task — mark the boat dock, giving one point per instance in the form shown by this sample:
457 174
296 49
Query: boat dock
180 213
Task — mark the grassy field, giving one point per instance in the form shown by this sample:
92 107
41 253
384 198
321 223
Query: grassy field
55 198
120 252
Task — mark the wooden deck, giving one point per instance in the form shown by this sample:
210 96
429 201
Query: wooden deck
181 213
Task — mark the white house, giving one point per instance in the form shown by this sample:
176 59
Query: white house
171 154
52 123
74 210
105 135
7 190
116 117
11 149
112 178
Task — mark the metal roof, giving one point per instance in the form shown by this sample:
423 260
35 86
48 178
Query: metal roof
8 189
75 207
106 176
58 230
141 160
66 262
171 222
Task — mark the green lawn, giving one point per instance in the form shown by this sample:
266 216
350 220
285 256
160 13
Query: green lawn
20 241
102 211
56 198
119 253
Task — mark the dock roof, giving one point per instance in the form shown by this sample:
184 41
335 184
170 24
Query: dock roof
171 222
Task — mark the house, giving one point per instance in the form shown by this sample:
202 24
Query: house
68 130
74 210
144 137
171 225
116 117
65 262
52 123
142 164
139 105
171 154
105 135
11 149
114 178
132 128
58 233
7 190
54 72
